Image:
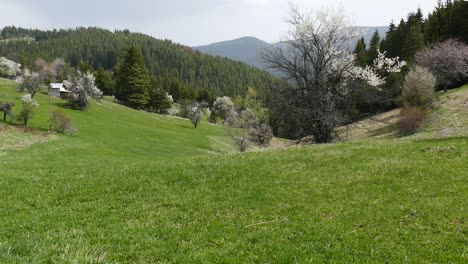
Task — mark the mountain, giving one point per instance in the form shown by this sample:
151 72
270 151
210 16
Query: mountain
167 61
248 49
244 49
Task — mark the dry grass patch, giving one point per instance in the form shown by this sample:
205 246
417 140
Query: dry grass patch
14 138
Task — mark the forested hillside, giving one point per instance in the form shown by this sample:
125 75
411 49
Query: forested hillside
163 58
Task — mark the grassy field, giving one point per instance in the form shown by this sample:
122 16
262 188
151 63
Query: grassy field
134 187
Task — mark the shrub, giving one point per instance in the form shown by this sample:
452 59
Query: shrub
418 88
448 61
223 108
28 107
411 119
261 134
246 128
7 109
61 123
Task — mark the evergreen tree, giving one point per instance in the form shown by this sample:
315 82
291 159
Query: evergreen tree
413 42
85 67
104 81
374 45
205 95
448 20
133 81
361 53
159 102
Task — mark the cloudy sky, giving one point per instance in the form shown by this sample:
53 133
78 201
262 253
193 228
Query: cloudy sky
193 22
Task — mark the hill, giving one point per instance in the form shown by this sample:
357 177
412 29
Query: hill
134 187
163 58
448 118
248 49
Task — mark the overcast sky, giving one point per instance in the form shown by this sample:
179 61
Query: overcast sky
194 22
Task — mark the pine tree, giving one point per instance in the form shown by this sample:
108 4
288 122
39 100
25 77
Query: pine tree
374 45
360 52
133 81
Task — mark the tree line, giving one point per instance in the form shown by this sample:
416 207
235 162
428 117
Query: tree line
177 67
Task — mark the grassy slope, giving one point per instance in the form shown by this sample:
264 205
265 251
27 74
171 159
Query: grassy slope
129 189
449 118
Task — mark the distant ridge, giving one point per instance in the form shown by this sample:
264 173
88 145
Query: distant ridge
248 49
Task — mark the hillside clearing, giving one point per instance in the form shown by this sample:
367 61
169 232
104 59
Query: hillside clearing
135 187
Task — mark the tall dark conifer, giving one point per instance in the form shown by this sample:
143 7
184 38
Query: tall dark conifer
373 47
360 52
133 82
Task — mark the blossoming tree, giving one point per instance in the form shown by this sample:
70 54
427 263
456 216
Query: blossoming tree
318 66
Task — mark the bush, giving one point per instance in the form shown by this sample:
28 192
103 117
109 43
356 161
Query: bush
418 88
261 134
223 109
448 61
61 123
7 109
28 107
411 119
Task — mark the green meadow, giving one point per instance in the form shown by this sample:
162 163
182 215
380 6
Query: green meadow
136 187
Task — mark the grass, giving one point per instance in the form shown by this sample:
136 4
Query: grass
133 187
448 118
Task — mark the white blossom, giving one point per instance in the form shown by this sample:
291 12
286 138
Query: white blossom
382 63
28 100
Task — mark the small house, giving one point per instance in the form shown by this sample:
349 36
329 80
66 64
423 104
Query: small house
58 90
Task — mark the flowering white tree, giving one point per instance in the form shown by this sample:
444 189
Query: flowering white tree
223 108
318 66
28 107
82 88
195 113
382 65
29 82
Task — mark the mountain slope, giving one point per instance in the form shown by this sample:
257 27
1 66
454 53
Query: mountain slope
248 49
243 49
163 58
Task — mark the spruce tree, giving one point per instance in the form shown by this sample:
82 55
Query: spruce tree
133 82
374 44
159 102
360 52
104 81
413 42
